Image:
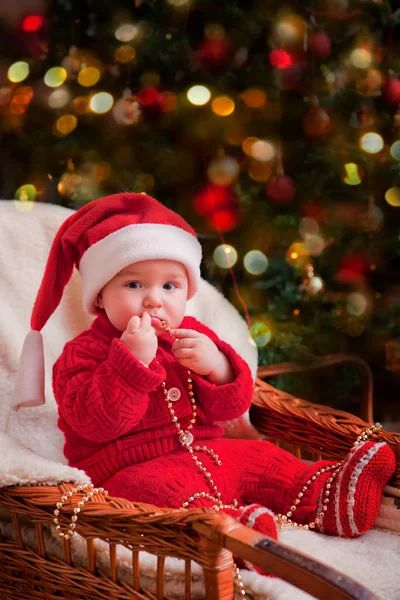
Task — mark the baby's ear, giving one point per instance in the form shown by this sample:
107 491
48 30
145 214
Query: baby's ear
99 301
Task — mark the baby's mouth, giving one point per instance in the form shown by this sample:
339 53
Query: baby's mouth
156 322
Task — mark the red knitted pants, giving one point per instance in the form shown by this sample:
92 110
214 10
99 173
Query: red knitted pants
251 472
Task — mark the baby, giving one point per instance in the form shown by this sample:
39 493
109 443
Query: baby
140 393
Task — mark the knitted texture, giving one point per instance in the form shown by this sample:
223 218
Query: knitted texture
112 409
259 518
357 489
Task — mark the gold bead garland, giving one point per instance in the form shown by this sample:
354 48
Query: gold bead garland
215 495
90 491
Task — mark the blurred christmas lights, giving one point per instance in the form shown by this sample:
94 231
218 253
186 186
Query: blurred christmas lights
89 76
361 58
223 106
225 256
255 262
352 176
395 150
392 196
126 32
371 143
262 150
261 334
198 95
59 98
55 77
101 102
18 71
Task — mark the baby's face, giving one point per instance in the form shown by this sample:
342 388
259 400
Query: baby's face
159 287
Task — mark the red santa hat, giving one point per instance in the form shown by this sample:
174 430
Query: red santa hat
101 239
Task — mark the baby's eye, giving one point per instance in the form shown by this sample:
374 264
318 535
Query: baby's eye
133 285
169 286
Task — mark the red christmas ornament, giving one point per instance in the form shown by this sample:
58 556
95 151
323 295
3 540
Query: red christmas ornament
32 23
281 189
219 204
351 269
280 59
391 90
214 198
151 101
315 211
317 122
224 220
215 52
320 45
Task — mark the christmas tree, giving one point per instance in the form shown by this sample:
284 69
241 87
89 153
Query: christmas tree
272 128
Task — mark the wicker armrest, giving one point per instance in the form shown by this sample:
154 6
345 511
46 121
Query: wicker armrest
324 362
207 537
321 430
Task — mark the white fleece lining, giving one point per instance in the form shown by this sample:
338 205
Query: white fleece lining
144 241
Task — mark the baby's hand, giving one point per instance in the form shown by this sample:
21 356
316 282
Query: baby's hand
140 338
195 351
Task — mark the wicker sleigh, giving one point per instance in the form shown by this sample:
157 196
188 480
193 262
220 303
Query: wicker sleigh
198 535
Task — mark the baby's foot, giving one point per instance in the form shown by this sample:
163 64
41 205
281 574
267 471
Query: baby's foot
259 518
356 492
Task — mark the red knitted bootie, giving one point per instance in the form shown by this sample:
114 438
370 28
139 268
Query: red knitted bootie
355 494
259 518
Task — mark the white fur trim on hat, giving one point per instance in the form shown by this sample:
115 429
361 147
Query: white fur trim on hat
143 241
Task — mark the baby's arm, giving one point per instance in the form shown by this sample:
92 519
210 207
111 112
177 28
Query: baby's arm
230 395
102 393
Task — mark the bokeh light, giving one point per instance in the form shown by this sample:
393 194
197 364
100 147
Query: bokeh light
124 54
356 304
314 285
280 59
262 150
225 256
198 95
361 58
223 171
101 102
255 262
126 32
259 171
81 105
66 124
371 143
26 193
59 98
353 176
55 77
314 244
18 71
296 255
89 76
308 226
223 106
261 334
395 150
392 196
254 98
248 143
32 23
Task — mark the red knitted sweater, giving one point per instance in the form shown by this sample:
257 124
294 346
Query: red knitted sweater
112 409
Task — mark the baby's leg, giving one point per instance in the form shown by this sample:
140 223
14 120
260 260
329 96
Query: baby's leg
280 481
